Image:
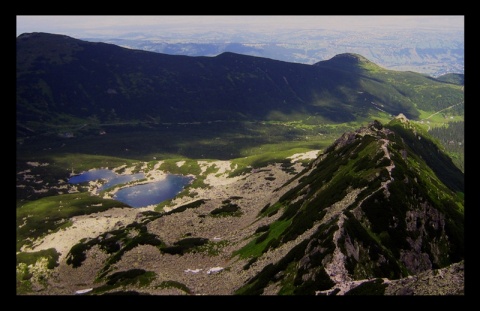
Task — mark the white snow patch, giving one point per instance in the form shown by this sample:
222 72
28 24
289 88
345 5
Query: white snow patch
214 270
83 291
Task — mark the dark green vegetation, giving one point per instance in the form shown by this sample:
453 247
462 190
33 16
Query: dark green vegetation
421 204
430 151
185 245
375 287
174 284
182 208
227 209
452 137
454 78
120 280
138 105
293 277
378 259
194 245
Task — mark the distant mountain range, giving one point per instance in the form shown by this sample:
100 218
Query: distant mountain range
61 79
430 51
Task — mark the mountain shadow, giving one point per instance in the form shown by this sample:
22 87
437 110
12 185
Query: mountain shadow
62 80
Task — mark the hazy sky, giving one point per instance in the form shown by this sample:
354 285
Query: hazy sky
114 25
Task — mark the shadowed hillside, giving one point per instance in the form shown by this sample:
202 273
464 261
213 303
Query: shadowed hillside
64 80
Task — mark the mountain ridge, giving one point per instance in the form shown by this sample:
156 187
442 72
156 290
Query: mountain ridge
358 210
60 78
349 62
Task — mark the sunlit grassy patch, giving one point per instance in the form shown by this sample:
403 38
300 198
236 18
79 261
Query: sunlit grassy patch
37 218
260 244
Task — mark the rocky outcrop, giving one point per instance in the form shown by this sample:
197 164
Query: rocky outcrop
446 281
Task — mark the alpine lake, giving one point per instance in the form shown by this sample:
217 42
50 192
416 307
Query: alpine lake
135 195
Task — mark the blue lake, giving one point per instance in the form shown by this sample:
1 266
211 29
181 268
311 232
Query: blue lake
139 195
109 176
154 192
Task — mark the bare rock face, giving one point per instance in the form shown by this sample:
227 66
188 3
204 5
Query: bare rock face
446 281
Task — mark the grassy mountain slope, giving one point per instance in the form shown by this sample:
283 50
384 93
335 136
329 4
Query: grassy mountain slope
455 78
397 92
152 105
62 80
372 206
